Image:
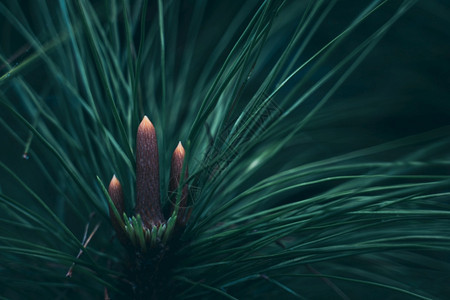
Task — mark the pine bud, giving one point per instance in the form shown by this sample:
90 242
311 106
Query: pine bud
116 195
175 179
147 175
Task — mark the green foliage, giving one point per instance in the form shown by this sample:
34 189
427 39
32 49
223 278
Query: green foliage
318 166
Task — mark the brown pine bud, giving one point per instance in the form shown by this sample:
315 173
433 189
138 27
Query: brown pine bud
175 179
147 175
116 195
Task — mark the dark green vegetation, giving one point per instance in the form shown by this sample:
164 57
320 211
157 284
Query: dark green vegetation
316 133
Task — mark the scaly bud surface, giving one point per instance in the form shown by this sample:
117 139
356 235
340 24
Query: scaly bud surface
147 175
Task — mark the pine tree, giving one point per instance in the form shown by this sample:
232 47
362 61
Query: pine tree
224 149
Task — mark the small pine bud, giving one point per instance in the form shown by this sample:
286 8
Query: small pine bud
147 175
116 195
175 179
